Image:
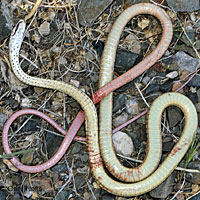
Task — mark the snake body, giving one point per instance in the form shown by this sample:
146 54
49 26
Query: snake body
96 153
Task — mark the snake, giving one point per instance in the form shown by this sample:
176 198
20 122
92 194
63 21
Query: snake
99 144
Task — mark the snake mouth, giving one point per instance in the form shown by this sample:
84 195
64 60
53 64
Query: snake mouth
17 27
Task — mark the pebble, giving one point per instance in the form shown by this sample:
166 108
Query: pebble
182 61
79 181
98 46
53 142
193 177
152 89
44 28
60 168
198 94
3 118
166 87
94 78
75 148
88 13
197 44
174 116
184 5
119 102
27 157
26 103
195 82
145 80
172 75
62 195
193 97
122 118
164 189
122 143
132 106
4 27
124 60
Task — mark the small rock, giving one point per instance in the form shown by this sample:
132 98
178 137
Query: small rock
31 125
28 193
197 44
197 106
193 177
117 121
198 94
26 103
184 5
181 197
76 148
44 28
119 102
3 118
84 157
124 60
98 46
90 56
4 28
94 78
60 168
132 43
10 165
132 106
53 142
172 75
195 82
79 181
27 158
164 189
182 61
41 182
145 80
152 89
167 146
89 10
193 97
62 195
122 143
174 116
166 87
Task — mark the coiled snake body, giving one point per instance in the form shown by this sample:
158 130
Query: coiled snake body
104 150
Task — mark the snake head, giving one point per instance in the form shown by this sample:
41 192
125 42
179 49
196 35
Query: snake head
19 30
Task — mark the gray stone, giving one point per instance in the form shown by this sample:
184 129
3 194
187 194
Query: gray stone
3 118
124 60
174 116
182 61
5 21
122 143
122 118
193 177
90 10
195 82
184 5
132 106
119 102
164 189
152 89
